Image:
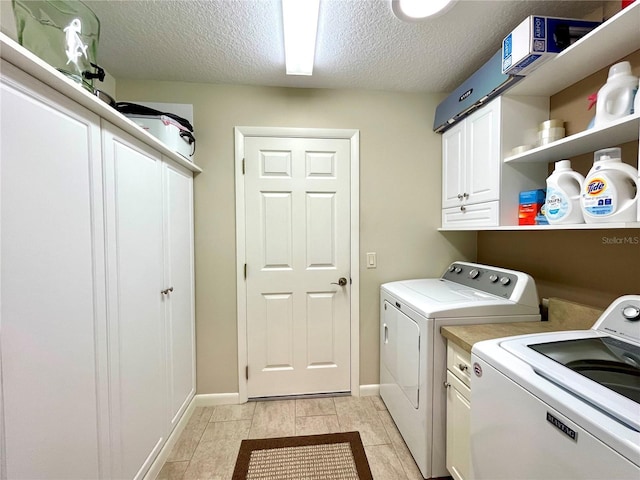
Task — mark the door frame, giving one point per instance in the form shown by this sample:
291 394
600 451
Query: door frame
354 137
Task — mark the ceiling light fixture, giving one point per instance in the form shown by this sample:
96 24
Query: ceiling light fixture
416 10
300 18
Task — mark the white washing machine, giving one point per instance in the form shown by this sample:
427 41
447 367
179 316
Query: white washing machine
413 353
560 405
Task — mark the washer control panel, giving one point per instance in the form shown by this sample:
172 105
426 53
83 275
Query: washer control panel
622 318
497 282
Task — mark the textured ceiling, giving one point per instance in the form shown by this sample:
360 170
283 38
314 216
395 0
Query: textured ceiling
360 43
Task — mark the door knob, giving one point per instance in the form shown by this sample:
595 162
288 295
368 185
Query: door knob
341 281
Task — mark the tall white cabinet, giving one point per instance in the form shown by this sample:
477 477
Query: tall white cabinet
97 344
52 284
133 192
179 278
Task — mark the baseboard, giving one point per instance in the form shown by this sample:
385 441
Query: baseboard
208 400
369 390
157 464
213 399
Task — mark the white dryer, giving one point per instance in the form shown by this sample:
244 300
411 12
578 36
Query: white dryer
413 353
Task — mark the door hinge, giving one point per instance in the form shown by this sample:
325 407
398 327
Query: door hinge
246 372
243 166
245 271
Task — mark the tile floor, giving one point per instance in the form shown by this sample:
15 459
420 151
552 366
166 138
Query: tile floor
209 444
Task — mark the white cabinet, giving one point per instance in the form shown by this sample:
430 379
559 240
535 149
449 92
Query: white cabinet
149 219
138 376
97 341
52 287
471 173
478 189
458 411
179 276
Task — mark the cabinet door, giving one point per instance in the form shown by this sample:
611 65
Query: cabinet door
179 303
482 174
133 199
52 291
458 428
453 165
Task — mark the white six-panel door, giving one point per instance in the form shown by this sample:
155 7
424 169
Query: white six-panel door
297 200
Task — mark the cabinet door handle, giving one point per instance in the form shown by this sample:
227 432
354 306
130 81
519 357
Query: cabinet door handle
462 208
465 195
463 367
460 197
166 292
446 384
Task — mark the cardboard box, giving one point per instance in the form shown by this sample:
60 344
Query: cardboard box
537 39
529 206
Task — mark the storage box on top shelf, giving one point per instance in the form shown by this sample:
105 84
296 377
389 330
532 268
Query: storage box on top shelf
169 131
537 39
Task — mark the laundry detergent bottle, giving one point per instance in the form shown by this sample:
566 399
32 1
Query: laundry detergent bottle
564 187
615 98
610 190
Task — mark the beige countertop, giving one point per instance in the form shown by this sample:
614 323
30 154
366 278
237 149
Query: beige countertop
563 315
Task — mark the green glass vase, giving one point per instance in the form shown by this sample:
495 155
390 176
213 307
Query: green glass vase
63 33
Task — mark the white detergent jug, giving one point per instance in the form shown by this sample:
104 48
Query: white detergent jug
564 187
636 102
610 191
615 98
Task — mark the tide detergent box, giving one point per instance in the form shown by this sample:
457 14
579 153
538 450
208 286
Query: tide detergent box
529 206
537 39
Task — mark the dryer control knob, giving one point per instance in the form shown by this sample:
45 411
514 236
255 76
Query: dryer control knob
458 270
493 278
631 313
505 281
452 268
474 273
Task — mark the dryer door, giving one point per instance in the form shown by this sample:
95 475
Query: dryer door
400 351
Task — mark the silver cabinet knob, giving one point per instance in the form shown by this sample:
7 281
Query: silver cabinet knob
446 384
462 367
166 291
341 281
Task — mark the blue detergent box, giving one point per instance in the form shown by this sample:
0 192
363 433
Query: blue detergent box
537 39
529 207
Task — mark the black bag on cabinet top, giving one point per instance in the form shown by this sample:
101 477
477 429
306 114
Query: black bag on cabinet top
127 108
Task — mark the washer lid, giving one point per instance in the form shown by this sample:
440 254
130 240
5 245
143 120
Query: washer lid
612 363
596 368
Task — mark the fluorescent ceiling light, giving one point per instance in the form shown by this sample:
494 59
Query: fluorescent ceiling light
415 10
300 19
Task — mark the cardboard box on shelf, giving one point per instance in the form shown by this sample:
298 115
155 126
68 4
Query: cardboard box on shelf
537 39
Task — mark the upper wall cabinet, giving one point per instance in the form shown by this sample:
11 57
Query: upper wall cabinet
478 189
614 39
